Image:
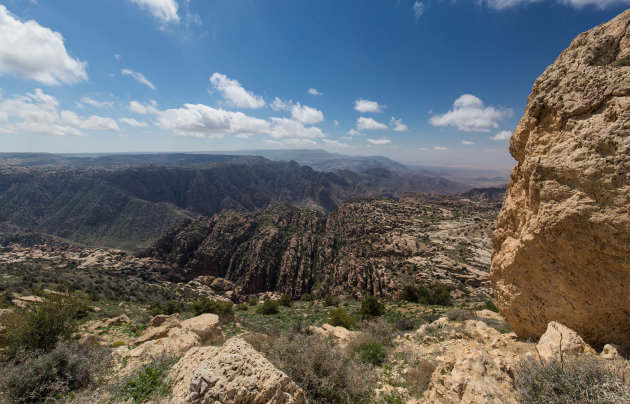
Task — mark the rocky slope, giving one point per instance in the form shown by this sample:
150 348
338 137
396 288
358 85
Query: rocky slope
130 207
562 239
367 246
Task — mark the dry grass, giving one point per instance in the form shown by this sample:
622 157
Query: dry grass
419 376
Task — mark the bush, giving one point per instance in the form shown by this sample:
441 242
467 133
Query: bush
461 315
37 376
5 300
410 294
575 380
150 382
306 297
225 310
252 301
419 376
285 300
373 353
489 305
371 307
41 327
338 317
268 307
376 330
242 307
405 323
326 372
168 308
436 294
330 300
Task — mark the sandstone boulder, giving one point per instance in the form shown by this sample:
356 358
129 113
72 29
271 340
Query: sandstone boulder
610 352
560 339
159 327
562 242
181 373
206 326
236 373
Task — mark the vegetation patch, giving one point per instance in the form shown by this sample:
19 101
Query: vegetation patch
150 383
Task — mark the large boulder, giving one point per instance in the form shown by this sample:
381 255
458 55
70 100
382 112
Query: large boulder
206 326
559 340
234 374
562 242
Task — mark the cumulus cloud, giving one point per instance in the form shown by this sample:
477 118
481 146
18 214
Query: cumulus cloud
364 123
164 10
503 135
95 103
398 125
143 108
306 115
364 106
281 105
37 113
289 128
139 77
440 148
198 120
336 122
354 132
381 141
133 122
470 115
467 142
292 142
36 53
418 10
313 91
234 93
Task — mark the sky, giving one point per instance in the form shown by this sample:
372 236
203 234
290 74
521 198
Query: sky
433 82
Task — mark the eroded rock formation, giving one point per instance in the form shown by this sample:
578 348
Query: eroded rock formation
562 244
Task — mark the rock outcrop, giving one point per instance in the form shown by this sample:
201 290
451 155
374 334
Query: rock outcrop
234 373
563 236
559 340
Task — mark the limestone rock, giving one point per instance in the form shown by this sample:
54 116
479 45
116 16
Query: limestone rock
560 338
471 375
175 344
206 326
159 327
181 373
236 373
338 332
562 242
610 352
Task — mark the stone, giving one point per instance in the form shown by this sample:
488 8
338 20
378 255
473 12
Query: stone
338 332
562 240
559 338
159 327
236 373
181 373
610 352
206 326
175 344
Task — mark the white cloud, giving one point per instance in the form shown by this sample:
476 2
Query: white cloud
117 56
503 135
336 122
234 93
354 132
470 115
289 128
365 106
601 4
467 142
418 9
381 141
306 115
139 77
36 53
164 10
198 120
398 125
133 122
334 143
364 123
281 105
313 91
440 148
37 113
292 142
94 103
143 109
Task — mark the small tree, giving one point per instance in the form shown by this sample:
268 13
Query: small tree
338 317
371 307
268 307
285 300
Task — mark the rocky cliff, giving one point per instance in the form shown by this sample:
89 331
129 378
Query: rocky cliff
562 243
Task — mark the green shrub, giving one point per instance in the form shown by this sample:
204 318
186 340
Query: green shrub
306 297
268 307
371 307
5 300
587 380
373 353
409 294
225 310
338 317
285 300
252 301
330 300
150 382
38 376
117 344
242 307
42 326
169 307
436 294
489 305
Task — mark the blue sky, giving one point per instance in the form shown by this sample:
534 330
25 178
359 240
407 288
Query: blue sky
431 82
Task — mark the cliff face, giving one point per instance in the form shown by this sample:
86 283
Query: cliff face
367 246
562 244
